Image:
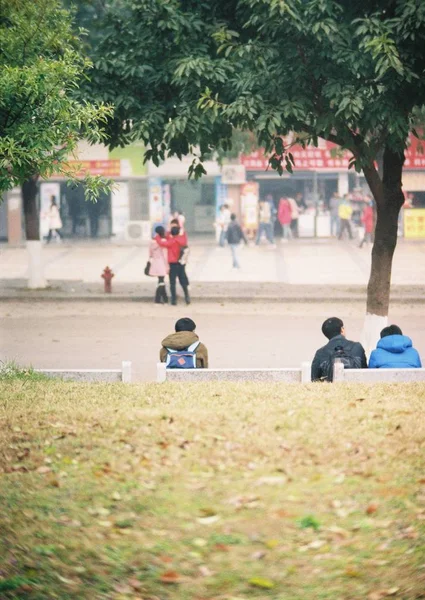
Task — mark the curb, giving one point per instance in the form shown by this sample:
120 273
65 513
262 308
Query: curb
201 299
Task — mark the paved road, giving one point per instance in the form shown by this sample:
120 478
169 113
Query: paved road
299 262
95 335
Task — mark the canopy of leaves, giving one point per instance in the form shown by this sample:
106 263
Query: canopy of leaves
184 73
41 66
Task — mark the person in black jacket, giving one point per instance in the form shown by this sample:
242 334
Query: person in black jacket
334 330
234 236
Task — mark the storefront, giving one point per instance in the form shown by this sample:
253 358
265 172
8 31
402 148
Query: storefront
111 216
318 173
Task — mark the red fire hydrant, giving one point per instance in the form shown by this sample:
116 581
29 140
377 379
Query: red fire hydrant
107 276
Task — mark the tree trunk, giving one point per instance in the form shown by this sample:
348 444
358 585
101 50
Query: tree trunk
36 278
389 200
31 212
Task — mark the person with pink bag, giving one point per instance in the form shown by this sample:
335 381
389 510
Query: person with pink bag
158 266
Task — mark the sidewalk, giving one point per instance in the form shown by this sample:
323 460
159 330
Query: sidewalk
308 270
64 290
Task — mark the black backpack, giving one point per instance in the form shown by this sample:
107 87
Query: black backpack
349 362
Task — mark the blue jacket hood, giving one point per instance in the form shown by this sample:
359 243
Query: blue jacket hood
395 343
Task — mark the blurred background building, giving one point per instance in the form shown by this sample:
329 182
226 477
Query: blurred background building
145 195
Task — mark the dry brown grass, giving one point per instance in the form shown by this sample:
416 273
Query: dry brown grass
218 491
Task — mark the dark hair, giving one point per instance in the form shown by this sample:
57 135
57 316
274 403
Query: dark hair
391 330
233 217
332 327
175 222
175 230
185 324
160 231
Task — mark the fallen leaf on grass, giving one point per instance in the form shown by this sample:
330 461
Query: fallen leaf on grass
43 470
271 480
372 508
135 583
208 520
64 580
122 588
379 594
260 582
352 572
170 577
205 571
221 547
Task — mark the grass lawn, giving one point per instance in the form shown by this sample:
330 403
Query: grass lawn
220 491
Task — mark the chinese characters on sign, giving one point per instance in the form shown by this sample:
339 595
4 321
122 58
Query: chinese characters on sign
414 223
326 156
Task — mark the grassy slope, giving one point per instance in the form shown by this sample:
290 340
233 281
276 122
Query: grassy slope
219 491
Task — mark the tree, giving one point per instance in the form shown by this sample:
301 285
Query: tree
186 72
41 119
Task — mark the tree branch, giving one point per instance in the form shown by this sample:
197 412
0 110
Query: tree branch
375 183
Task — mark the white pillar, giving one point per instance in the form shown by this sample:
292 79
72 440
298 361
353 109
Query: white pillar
305 372
338 372
126 371
36 278
161 374
342 183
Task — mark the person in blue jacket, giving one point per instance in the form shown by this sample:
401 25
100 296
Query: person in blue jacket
394 351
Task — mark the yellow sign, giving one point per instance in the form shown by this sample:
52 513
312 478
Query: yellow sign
414 223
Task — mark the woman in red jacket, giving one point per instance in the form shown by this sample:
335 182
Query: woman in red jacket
174 244
368 222
284 214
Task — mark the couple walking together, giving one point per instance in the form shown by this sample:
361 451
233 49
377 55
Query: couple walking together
168 256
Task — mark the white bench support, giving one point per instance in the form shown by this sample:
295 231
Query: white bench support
91 375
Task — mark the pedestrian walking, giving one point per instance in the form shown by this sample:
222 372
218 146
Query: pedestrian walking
345 212
222 223
368 222
55 221
295 213
234 236
265 222
285 217
334 203
175 242
158 266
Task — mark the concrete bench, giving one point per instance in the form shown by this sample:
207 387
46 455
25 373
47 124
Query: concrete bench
301 375
91 375
377 375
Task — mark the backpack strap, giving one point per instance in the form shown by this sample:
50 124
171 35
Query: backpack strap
193 347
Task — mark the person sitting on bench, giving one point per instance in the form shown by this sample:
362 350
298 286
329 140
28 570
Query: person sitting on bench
182 349
351 354
394 351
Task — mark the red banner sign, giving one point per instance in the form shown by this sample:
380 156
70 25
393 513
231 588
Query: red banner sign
106 168
328 157
415 154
